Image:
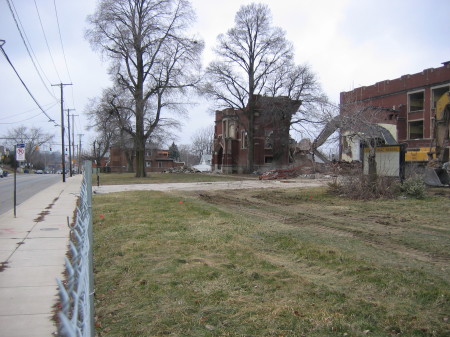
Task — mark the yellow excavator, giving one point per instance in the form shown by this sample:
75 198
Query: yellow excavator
436 172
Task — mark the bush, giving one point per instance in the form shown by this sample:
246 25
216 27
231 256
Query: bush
358 187
414 187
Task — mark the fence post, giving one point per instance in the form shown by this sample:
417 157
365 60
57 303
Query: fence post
88 172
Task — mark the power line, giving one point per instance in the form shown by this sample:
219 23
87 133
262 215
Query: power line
46 41
47 107
24 37
60 39
2 42
23 120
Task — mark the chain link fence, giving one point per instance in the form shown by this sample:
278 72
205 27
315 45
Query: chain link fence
76 317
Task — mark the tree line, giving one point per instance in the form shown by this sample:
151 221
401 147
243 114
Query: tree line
154 64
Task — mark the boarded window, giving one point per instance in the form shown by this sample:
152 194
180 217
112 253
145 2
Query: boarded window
268 141
416 101
416 130
244 139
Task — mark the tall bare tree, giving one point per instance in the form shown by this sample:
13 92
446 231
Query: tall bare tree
151 58
247 55
203 141
254 58
33 138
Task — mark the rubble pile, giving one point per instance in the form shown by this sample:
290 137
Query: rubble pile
306 170
282 173
344 168
181 169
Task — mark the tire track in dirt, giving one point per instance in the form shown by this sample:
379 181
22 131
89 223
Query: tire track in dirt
315 222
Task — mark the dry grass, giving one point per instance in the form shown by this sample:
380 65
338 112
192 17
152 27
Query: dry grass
156 178
271 263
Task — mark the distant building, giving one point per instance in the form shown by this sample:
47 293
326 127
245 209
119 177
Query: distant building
271 140
156 160
409 102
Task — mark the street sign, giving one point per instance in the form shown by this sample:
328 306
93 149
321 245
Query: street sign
20 152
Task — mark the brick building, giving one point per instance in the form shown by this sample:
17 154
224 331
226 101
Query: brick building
409 103
271 136
156 160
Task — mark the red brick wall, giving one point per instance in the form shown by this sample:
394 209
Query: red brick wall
394 94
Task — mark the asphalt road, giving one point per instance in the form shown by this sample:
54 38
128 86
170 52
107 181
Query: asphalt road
27 186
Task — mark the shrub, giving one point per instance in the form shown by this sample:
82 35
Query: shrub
414 187
358 187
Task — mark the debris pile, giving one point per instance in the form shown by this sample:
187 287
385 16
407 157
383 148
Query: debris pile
307 170
181 169
281 173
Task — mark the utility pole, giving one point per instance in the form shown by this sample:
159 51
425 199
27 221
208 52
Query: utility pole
73 136
63 156
68 131
79 152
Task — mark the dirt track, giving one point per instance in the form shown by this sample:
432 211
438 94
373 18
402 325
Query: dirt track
213 186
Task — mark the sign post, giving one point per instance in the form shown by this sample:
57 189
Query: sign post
20 156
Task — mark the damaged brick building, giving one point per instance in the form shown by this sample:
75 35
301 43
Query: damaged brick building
271 136
409 104
156 160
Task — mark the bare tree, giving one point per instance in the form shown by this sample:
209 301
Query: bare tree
203 140
361 121
187 155
152 59
111 121
247 55
100 146
299 83
33 138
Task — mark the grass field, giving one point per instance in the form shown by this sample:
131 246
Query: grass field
156 178
271 263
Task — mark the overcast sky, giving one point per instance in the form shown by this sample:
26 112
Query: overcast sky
347 43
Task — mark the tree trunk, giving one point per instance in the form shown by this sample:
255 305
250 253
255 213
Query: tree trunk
139 141
140 111
373 176
140 157
130 163
251 143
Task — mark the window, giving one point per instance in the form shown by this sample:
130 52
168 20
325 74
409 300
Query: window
244 139
148 164
160 164
416 130
225 128
268 141
268 159
415 101
437 93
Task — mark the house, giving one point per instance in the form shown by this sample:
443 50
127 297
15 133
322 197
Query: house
271 136
156 160
406 107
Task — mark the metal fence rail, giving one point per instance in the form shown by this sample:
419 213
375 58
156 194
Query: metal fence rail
77 292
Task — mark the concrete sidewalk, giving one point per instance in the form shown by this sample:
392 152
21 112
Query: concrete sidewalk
32 250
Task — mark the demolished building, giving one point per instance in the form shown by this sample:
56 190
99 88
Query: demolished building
405 106
272 121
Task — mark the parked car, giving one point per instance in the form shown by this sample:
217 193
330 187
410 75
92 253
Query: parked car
39 172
